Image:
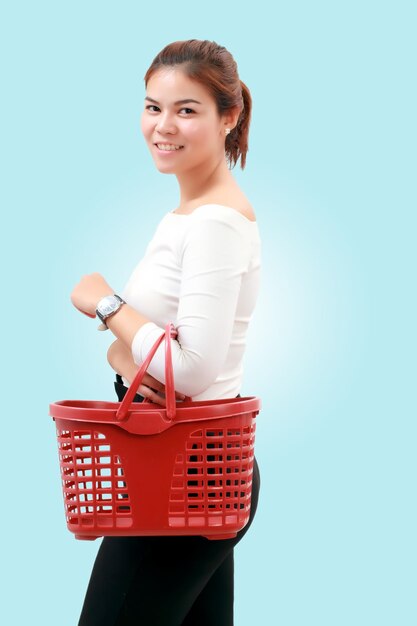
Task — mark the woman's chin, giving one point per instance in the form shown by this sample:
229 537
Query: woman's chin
165 168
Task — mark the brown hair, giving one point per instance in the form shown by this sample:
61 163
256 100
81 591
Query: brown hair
214 67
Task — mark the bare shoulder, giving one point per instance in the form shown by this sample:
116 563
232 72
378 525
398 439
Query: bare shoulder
225 197
236 201
247 211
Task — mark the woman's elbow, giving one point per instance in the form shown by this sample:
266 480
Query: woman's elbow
113 352
109 354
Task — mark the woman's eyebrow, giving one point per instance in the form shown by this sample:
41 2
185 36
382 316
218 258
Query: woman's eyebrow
177 102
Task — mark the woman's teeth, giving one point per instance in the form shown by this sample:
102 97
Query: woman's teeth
167 146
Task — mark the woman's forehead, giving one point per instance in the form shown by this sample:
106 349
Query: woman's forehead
173 85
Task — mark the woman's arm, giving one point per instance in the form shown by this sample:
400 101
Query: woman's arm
121 360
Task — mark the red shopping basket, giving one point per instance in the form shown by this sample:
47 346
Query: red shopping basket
131 468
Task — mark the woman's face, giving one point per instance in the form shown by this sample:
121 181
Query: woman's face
168 123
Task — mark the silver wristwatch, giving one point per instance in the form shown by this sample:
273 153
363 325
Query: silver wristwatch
108 306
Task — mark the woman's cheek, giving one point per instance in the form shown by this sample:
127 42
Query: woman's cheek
145 126
192 130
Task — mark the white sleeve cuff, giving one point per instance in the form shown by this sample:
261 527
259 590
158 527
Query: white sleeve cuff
144 340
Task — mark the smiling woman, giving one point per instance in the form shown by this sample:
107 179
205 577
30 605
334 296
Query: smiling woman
201 271
183 139
220 100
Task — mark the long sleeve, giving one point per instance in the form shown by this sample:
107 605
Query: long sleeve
214 256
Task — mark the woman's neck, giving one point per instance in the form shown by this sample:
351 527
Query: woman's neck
196 185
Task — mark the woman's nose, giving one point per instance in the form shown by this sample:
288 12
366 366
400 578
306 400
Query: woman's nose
165 124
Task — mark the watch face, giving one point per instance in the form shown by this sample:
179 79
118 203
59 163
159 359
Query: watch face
108 304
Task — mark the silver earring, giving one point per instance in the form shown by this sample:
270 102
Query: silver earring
227 131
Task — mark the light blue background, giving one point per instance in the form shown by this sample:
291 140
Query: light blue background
331 348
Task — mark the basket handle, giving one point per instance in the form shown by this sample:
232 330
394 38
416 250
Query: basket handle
170 331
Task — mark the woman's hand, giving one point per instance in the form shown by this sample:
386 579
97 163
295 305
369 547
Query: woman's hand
86 295
121 360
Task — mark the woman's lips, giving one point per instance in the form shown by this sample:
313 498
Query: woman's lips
162 151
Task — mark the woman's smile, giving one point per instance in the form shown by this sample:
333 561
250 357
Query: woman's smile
167 148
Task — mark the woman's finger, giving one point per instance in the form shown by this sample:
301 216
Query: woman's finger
151 382
149 393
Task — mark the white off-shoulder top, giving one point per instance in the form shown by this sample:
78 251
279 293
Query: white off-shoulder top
200 271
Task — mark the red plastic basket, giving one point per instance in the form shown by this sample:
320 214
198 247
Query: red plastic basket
133 468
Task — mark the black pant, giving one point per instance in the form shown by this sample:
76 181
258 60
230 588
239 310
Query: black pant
164 580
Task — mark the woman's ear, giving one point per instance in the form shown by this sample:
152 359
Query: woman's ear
231 117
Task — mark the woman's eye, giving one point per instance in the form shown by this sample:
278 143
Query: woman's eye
150 108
